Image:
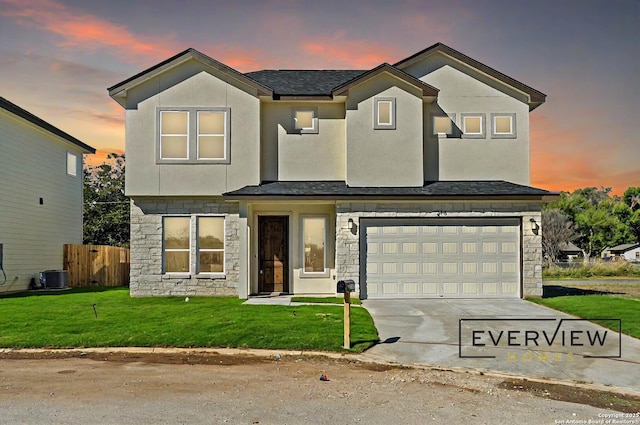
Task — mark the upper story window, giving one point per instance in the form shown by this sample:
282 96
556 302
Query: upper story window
443 125
384 114
473 126
305 120
72 164
503 126
193 135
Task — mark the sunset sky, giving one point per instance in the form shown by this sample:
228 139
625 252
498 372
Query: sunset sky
57 57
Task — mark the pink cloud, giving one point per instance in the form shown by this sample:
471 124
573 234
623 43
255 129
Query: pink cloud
80 29
338 51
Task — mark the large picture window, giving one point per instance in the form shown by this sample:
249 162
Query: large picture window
314 244
210 244
176 244
193 135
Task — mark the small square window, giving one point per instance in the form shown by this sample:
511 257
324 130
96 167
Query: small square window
385 114
503 126
443 125
72 164
473 126
305 120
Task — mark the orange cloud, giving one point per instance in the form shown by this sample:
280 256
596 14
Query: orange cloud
100 157
81 29
338 51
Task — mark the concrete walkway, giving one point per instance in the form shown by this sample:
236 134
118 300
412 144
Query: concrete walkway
429 332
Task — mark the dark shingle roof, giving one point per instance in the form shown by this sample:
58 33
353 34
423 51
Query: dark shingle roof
24 114
293 82
339 189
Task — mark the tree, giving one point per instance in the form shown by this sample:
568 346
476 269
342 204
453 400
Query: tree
106 209
558 230
631 199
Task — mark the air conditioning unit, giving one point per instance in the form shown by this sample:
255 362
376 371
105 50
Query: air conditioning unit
54 279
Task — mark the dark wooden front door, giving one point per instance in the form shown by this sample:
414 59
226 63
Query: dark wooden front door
273 237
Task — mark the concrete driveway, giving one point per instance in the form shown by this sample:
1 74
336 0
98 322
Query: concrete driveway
429 332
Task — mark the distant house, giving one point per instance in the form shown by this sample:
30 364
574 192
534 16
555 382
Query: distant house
570 251
411 179
627 252
40 195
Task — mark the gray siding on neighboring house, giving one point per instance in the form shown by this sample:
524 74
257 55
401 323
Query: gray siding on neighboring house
384 157
203 90
33 165
146 276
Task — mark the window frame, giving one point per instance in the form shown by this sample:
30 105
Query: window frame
512 134
75 158
483 127
224 134
165 250
452 120
193 135
314 121
325 272
377 125
223 250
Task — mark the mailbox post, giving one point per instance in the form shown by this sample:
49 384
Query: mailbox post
346 287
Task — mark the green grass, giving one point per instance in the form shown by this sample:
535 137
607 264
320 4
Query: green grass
598 306
67 319
595 270
325 300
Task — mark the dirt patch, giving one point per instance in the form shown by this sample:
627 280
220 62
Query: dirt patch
595 398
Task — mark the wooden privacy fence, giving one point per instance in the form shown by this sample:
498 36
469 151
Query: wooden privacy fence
96 265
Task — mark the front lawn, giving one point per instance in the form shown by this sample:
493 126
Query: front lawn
324 300
68 319
599 306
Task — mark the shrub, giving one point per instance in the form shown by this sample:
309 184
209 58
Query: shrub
599 269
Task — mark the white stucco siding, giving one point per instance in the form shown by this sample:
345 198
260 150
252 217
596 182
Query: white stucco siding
145 176
289 155
384 157
33 165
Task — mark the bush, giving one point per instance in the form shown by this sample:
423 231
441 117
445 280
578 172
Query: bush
584 271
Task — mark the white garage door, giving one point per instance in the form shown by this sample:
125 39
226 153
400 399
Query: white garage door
441 258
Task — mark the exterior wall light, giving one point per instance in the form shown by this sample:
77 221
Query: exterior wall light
535 227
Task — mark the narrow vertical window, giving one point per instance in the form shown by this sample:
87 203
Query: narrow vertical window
72 164
210 244
212 135
385 114
174 135
176 244
314 237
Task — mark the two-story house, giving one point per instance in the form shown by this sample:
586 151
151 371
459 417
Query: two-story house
40 195
411 179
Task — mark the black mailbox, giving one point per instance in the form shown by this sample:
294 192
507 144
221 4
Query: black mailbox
346 286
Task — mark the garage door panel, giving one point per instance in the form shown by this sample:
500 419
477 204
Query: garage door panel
458 258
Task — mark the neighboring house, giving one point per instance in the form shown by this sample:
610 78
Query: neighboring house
411 179
40 195
627 252
570 251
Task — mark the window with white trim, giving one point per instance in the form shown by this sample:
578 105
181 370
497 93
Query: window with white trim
503 126
384 114
72 164
193 135
176 244
443 124
473 126
305 121
314 237
210 244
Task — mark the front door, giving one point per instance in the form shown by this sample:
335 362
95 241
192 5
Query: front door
273 237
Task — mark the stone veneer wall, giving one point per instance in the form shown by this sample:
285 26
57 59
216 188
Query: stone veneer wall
146 248
348 243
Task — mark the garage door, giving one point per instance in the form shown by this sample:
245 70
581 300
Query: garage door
441 258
